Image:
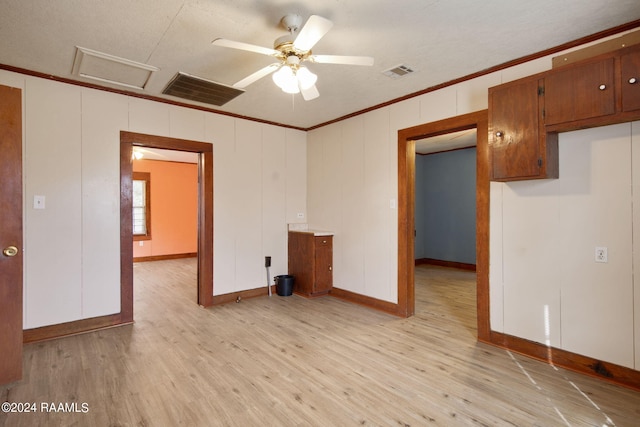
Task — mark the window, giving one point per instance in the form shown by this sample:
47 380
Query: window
141 206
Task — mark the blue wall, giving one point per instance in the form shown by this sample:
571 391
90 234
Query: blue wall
446 206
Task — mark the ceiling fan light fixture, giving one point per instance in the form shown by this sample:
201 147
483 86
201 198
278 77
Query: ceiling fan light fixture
286 80
306 78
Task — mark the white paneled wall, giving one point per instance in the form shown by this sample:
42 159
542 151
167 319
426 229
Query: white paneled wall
72 152
224 253
53 169
246 203
532 302
554 291
595 210
273 238
351 266
380 175
103 116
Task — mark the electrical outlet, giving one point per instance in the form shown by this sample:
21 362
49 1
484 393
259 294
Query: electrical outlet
601 254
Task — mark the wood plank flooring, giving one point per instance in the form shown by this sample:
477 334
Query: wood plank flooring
290 361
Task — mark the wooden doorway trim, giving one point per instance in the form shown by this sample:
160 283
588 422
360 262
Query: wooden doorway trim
205 212
205 236
406 210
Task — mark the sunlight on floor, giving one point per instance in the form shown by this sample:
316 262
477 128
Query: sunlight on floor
608 421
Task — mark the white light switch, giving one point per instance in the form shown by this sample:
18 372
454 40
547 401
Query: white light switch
38 202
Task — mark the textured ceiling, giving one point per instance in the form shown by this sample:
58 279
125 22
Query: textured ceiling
440 40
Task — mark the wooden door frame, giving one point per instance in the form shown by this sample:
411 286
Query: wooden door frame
406 210
205 212
205 236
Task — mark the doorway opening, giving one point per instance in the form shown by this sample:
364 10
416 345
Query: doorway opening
406 210
129 140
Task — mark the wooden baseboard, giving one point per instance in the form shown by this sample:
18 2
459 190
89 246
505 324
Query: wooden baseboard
605 371
60 330
441 263
377 304
165 257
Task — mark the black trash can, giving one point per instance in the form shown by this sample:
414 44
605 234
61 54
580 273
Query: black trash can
284 285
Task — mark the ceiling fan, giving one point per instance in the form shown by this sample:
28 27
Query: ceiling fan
291 51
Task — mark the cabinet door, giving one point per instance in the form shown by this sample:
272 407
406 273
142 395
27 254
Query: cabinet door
580 92
301 252
514 130
323 264
630 84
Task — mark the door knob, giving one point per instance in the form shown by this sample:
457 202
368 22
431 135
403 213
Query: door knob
10 251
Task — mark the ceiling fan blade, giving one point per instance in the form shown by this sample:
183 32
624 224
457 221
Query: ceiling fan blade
310 93
338 59
257 75
245 46
314 29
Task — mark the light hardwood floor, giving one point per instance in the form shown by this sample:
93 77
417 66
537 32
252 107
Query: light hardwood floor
289 361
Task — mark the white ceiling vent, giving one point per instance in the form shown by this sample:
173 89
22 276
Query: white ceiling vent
106 68
397 71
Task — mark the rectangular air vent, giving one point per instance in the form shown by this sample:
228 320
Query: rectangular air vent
103 67
200 90
397 71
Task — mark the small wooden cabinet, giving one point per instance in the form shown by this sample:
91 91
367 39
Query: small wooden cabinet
520 147
579 92
310 262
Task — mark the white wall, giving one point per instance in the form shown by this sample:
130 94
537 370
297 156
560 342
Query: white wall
544 285
72 157
554 291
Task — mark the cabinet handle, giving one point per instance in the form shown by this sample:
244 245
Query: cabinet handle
632 80
602 87
329 268
499 134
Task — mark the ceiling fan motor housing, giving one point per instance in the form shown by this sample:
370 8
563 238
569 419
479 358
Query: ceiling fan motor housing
291 22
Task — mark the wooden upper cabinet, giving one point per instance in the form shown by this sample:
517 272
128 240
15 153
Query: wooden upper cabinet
526 115
630 80
520 149
578 92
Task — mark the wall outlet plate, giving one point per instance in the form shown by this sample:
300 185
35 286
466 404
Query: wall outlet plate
601 254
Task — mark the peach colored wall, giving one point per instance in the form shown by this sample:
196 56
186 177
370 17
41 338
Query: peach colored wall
174 208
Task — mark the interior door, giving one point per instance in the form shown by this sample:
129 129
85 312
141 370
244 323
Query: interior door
10 234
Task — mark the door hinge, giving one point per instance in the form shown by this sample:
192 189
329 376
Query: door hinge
540 90
539 162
